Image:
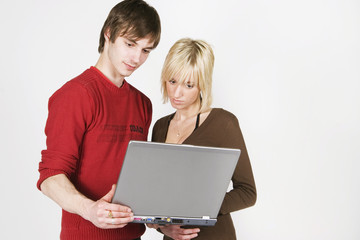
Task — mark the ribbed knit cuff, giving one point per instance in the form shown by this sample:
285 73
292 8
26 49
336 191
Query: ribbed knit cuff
46 173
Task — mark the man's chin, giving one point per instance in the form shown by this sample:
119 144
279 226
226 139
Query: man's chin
127 74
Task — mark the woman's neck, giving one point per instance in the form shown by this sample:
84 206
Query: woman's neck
186 113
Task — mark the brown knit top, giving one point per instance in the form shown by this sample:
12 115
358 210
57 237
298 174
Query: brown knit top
220 129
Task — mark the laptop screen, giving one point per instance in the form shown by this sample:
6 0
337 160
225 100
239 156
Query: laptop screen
162 182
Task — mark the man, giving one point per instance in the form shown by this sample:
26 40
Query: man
91 120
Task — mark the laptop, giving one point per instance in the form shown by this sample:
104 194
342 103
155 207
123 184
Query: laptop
175 183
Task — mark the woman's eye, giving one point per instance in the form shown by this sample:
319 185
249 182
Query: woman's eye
172 81
189 85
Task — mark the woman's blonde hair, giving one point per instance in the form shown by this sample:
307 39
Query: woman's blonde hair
193 59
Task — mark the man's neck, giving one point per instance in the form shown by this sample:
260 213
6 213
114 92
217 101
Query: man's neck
105 67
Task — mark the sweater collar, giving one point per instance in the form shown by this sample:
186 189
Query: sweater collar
109 84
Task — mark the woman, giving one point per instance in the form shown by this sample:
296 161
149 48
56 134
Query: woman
186 82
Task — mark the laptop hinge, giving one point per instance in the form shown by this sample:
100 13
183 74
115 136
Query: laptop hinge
206 217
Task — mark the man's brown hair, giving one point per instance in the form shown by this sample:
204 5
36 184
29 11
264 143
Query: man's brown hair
133 18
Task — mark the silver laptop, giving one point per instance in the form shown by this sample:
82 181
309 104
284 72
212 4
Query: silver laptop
175 183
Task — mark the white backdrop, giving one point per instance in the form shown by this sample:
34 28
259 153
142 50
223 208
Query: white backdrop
289 70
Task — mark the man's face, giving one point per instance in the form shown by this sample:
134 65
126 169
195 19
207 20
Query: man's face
126 54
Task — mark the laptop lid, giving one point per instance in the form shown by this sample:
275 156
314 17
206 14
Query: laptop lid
175 183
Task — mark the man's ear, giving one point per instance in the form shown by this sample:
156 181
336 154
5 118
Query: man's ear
107 34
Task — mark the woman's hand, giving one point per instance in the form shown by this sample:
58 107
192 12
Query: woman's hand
152 225
178 233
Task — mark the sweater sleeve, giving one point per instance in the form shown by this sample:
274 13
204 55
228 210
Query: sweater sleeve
149 116
69 117
243 194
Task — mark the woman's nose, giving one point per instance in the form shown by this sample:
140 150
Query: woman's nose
178 91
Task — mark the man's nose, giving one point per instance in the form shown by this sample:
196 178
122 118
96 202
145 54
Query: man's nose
136 56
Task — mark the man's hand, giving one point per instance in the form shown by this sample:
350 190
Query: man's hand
178 233
101 213
104 214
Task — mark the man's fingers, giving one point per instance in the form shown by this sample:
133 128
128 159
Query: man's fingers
108 197
115 214
118 221
110 225
116 207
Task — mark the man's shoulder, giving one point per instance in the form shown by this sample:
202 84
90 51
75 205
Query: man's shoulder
137 92
75 87
85 79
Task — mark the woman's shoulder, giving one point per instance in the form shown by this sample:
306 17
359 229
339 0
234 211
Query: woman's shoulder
164 120
160 128
223 114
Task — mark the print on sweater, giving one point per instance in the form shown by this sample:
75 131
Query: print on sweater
121 133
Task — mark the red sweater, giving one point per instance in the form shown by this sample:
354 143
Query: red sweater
89 125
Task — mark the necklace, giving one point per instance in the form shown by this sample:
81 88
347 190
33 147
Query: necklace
196 126
178 132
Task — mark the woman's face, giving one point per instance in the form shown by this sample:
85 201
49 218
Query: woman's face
184 95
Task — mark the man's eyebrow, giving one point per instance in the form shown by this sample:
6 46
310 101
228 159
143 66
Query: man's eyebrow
132 40
135 42
150 48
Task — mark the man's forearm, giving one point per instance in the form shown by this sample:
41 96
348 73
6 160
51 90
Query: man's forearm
63 192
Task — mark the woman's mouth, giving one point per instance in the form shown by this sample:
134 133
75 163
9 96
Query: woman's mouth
177 102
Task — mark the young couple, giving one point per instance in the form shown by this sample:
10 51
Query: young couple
92 117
